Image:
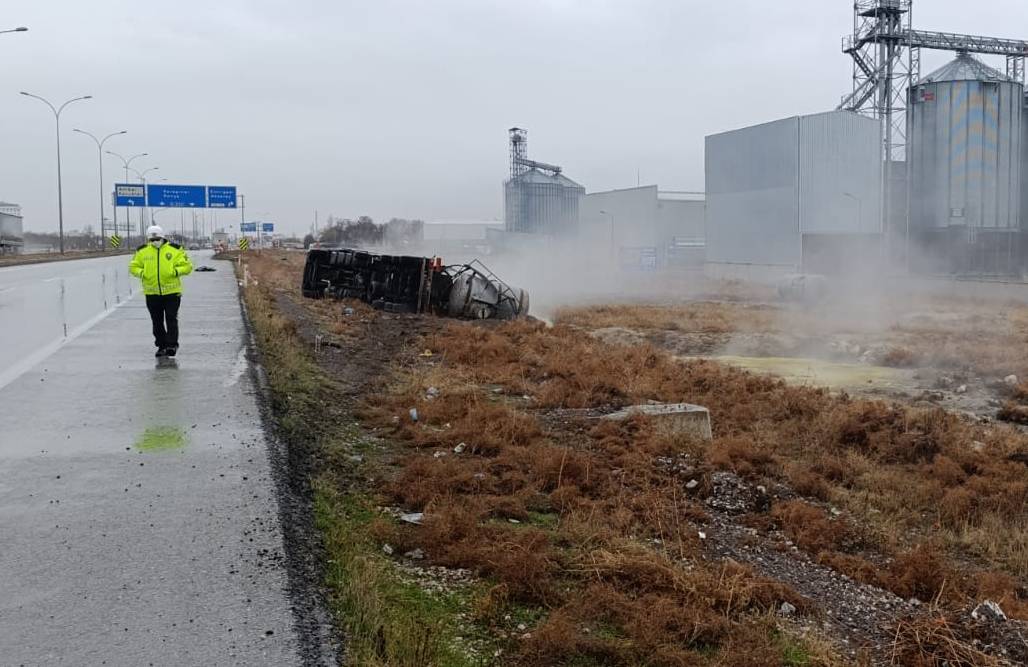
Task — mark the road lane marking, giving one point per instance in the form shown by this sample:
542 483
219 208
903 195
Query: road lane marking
28 363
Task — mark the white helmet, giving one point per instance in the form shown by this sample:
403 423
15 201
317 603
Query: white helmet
154 232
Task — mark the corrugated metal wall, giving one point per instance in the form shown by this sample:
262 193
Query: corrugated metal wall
541 208
641 217
768 184
10 230
752 203
840 182
630 219
1023 218
966 148
681 218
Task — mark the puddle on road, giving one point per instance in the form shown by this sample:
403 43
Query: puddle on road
161 439
817 372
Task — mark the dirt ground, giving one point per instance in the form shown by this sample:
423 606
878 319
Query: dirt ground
860 525
954 354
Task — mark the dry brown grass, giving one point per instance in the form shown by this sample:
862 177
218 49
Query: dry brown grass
813 530
697 317
601 530
907 473
937 641
605 540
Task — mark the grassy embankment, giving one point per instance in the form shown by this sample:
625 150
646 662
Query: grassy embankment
386 620
581 550
580 539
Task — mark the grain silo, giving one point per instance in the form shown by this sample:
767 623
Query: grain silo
538 198
965 157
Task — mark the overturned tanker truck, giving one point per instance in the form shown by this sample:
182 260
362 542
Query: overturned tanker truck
403 284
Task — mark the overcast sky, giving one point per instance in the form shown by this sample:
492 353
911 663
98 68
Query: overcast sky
400 108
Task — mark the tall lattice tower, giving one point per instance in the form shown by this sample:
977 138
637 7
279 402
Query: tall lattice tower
514 199
885 65
518 151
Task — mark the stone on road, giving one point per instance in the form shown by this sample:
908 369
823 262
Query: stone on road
138 512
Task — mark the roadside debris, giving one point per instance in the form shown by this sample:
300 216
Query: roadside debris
989 611
677 418
402 284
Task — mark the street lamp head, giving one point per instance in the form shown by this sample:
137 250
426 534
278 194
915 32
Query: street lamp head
87 97
21 29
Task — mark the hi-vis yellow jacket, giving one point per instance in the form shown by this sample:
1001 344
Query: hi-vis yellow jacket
161 268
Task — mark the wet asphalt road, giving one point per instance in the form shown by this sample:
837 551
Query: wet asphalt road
138 515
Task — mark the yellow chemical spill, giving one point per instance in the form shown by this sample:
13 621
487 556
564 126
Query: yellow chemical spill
161 438
817 372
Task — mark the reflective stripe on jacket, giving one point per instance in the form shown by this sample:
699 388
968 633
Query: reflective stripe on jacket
160 269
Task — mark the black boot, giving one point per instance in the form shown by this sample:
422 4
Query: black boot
161 352
171 351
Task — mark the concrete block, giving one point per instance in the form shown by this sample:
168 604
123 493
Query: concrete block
677 418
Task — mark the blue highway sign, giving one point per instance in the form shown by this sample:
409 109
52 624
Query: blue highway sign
129 194
268 227
248 227
221 196
176 196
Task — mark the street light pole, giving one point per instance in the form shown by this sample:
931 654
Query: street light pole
100 158
125 163
143 211
60 193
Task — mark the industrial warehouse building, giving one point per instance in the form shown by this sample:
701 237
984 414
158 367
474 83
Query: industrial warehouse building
801 193
445 237
644 224
11 234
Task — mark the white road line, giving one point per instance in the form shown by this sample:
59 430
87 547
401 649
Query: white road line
28 363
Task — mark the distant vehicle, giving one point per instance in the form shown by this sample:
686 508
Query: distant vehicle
194 246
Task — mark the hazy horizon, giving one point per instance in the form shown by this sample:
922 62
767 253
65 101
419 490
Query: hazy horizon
395 109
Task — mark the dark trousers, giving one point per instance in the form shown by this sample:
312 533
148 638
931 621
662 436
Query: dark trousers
164 315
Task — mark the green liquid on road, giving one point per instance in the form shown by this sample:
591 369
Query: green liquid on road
161 438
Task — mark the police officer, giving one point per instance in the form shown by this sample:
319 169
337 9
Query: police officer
160 264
